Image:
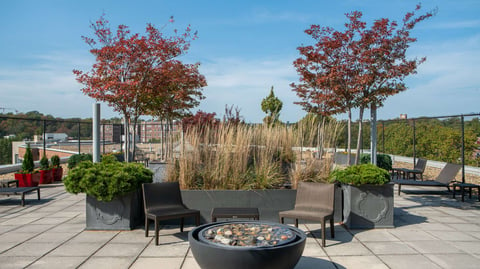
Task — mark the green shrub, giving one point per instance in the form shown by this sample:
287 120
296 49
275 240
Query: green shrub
360 174
75 159
383 160
107 179
27 165
55 160
44 164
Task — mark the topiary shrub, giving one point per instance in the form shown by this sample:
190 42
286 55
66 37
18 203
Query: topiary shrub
55 160
360 174
27 164
383 160
107 179
75 159
44 164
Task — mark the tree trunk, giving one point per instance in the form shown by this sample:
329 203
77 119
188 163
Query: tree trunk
126 130
349 136
373 124
360 135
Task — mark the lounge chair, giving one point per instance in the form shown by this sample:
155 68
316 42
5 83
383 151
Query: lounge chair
406 173
163 201
314 201
444 179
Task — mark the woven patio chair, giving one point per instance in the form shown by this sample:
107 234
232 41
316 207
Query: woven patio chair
163 201
314 201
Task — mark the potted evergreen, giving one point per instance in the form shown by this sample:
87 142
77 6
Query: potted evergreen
46 176
113 192
57 170
28 177
367 196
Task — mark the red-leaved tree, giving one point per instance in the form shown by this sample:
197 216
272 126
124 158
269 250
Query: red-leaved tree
359 67
140 75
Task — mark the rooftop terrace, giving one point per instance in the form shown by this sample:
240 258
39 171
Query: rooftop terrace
432 230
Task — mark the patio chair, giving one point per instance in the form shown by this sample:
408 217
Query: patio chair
163 201
314 201
418 169
444 179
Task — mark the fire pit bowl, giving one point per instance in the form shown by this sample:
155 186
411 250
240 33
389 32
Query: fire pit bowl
246 244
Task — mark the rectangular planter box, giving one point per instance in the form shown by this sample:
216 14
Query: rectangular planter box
368 206
28 180
122 213
268 202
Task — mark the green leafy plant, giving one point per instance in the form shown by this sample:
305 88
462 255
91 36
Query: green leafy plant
360 174
55 160
75 159
44 164
107 179
383 160
27 164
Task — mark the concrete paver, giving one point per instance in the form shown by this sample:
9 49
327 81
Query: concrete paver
431 231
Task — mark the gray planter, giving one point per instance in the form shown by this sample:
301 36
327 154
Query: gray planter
122 213
368 206
268 202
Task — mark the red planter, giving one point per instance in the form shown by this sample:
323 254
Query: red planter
28 180
46 176
57 173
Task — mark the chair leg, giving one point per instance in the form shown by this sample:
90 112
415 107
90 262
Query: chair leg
181 224
146 226
323 232
332 228
296 223
156 232
282 220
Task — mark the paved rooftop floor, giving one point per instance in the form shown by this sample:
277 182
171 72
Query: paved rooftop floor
431 231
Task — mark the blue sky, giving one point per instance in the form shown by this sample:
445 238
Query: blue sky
244 48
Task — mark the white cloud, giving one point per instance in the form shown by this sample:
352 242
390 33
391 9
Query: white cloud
244 83
47 85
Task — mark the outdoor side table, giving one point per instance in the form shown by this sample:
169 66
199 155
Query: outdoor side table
235 212
463 186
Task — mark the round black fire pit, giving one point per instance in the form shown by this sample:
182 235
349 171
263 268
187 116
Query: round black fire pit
246 244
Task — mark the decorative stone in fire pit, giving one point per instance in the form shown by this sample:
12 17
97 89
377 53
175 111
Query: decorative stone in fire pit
247 244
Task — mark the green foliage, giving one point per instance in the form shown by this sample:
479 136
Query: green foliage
360 174
439 140
383 160
28 165
75 159
44 164
55 161
272 106
5 150
107 179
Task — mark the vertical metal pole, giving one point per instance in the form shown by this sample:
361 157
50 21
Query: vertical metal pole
103 131
414 143
96 133
79 138
383 136
463 148
44 138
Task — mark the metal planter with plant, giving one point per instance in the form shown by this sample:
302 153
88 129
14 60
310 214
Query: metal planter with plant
367 196
113 192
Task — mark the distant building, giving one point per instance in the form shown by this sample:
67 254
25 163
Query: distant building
51 137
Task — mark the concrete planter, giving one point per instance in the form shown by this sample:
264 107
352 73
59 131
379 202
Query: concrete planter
268 202
368 206
122 213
